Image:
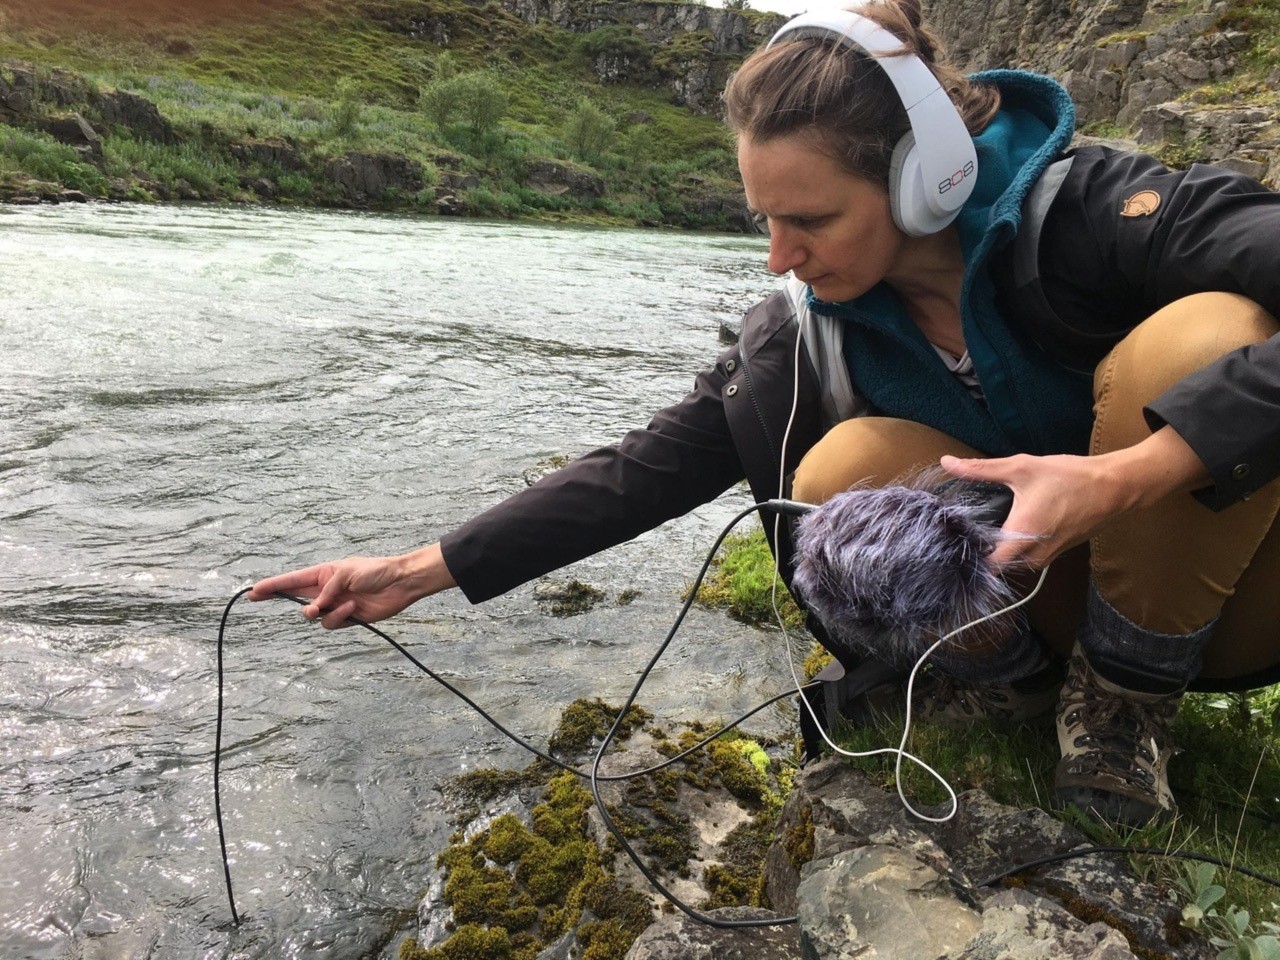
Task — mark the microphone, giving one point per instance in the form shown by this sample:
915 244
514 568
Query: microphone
889 570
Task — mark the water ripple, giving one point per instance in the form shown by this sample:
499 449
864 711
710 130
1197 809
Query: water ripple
195 397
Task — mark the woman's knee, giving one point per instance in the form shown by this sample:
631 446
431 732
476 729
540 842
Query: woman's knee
1179 339
870 450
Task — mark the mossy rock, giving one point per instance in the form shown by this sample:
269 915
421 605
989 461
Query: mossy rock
585 722
567 598
514 889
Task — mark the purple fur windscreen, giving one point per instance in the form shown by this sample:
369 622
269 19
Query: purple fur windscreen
890 570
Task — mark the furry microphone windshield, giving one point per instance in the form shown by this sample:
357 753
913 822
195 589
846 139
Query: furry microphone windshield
890 570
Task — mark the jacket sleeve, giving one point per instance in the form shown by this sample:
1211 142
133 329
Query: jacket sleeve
685 457
1213 230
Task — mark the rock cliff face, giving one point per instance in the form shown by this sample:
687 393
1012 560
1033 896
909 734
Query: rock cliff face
1160 72
658 22
693 49
1165 72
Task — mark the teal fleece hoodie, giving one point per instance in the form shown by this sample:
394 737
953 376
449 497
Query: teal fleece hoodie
1033 404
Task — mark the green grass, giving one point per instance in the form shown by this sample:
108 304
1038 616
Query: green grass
332 77
1261 20
205 170
26 154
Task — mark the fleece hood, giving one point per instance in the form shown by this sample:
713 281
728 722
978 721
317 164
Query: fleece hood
1031 403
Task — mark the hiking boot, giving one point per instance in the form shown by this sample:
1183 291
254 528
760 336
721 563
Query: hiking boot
939 698
1116 745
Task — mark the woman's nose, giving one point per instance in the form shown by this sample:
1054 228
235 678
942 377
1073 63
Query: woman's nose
784 253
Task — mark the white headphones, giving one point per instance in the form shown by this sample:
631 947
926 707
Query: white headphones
935 166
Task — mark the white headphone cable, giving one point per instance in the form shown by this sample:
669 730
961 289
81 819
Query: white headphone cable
900 751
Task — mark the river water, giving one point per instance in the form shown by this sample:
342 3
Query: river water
193 398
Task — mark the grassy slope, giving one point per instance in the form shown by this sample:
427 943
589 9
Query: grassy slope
253 70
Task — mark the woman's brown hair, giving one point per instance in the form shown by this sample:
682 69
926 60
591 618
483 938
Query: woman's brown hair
838 96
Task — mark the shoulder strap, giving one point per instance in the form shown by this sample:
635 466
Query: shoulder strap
1026 245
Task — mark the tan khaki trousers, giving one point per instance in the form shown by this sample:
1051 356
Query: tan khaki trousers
1170 568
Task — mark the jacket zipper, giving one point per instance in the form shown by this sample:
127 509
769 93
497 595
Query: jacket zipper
755 402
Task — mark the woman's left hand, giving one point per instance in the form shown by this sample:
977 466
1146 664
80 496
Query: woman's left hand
1060 501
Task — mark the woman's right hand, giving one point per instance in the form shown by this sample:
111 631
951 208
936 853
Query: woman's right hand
367 588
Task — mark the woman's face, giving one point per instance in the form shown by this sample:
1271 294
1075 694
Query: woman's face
832 229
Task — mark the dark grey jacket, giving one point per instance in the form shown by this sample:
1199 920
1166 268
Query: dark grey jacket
1078 278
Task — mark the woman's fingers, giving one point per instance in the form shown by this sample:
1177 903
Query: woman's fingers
339 616
333 591
995 470
301 582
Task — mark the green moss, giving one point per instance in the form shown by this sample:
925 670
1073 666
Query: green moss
563 814
507 840
738 774
1104 129
576 597
742 582
1181 153
664 836
487 784
739 880
553 872
1135 36
797 842
605 939
469 942
586 721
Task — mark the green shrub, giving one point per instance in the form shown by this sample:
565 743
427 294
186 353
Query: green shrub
440 100
492 203
482 101
589 131
344 117
619 41
295 186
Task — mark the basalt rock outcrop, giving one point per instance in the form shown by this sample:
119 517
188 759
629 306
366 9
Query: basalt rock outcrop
865 879
1169 74
689 48
54 95
365 176
844 870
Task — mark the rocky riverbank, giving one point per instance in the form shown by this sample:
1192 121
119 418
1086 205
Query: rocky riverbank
532 873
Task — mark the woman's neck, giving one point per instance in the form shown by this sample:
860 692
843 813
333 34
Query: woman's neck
928 276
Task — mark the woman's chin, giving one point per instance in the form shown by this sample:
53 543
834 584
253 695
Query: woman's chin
827 287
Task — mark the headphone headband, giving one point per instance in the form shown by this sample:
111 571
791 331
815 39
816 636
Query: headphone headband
947 159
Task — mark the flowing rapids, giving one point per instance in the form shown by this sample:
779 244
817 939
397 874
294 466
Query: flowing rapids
194 398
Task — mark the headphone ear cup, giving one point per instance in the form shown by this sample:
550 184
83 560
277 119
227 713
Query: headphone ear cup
907 202
900 198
